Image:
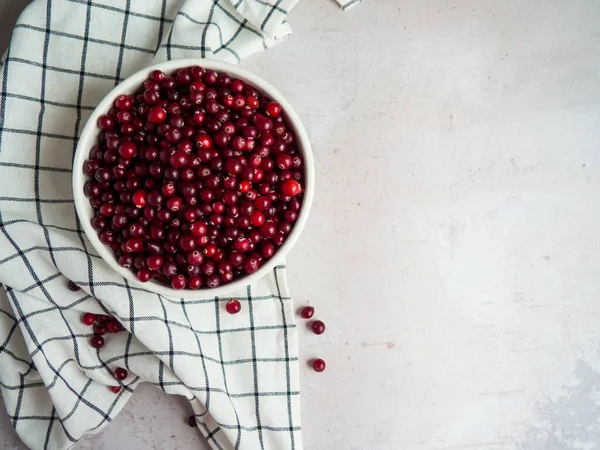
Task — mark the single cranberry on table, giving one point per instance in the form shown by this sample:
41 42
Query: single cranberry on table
116 389
307 312
317 327
201 153
318 365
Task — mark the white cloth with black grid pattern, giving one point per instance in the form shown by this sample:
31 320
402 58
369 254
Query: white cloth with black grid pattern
240 372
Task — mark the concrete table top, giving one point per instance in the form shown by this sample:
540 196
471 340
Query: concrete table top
454 245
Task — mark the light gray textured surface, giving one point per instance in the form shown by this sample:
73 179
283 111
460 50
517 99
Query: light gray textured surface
454 249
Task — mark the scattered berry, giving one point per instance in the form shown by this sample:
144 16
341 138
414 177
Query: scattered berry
307 312
318 365
116 389
120 373
318 327
233 306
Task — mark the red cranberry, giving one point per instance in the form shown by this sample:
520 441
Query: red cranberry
241 244
140 198
113 326
157 115
257 218
318 327
267 250
291 188
203 140
187 243
195 282
250 265
72 286
120 373
88 319
233 306
97 342
124 102
178 282
284 161
144 275
213 281
174 204
106 122
179 160
273 109
116 389
318 365
307 312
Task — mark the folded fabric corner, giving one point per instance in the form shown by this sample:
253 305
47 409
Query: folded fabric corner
268 17
345 4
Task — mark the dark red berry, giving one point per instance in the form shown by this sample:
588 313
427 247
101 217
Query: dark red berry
233 306
97 342
273 109
88 319
291 188
318 365
157 115
106 122
116 389
307 312
124 102
113 326
178 282
120 373
318 327
72 286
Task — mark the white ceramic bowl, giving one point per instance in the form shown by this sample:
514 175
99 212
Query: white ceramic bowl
89 138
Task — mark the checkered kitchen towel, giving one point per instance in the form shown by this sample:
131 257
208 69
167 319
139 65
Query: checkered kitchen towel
239 372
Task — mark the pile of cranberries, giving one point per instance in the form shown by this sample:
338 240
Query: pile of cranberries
196 179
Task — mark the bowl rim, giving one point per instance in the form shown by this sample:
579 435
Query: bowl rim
88 138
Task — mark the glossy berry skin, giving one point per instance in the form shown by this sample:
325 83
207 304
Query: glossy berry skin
97 342
113 326
317 327
318 365
233 306
116 389
106 122
307 312
157 115
88 319
257 219
291 188
273 109
72 286
120 373
144 275
127 150
178 282
140 198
